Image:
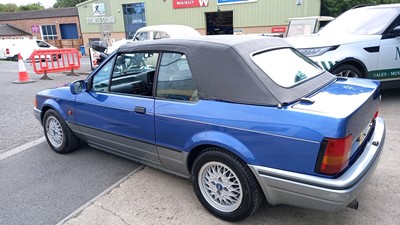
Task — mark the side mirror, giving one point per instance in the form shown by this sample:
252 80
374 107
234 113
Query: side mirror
396 31
99 46
77 87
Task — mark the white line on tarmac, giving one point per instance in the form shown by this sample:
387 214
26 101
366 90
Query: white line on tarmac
22 148
90 202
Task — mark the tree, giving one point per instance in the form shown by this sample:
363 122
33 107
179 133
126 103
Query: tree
9 7
67 3
335 8
32 6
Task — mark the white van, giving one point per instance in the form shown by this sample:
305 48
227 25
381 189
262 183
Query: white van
9 48
306 25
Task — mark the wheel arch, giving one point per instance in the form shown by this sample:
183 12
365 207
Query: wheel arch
353 62
51 104
223 141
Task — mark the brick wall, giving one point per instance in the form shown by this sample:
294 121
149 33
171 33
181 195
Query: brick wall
26 25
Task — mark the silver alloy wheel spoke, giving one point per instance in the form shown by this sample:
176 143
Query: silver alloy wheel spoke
220 186
347 73
54 131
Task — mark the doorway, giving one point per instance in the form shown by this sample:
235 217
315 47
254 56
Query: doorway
219 22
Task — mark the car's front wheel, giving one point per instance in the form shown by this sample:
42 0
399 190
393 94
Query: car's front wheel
58 134
347 70
225 186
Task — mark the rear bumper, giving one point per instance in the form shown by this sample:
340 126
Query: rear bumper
283 187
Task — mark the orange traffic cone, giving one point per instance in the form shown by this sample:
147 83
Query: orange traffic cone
23 75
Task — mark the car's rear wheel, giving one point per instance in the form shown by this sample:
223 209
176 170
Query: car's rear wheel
225 186
347 70
15 58
59 136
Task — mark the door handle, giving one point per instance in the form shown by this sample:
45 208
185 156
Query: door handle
140 110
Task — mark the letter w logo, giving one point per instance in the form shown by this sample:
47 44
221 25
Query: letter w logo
203 3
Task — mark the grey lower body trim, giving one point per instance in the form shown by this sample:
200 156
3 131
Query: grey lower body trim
174 161
149 154
283 187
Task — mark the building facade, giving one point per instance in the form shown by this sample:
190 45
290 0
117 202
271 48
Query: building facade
59 27
119 19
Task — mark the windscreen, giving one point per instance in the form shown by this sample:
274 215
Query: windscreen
362 21
274 64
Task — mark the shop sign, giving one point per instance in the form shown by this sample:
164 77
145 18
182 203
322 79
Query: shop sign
278 29
189 3
224 2
35 28
99 9
100 20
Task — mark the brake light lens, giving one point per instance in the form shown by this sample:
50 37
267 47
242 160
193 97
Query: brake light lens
376 114
7 51
334 155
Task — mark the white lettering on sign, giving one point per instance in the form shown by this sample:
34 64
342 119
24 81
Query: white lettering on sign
185 2
203 3
100 20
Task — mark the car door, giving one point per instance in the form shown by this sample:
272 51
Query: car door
389 57
176 103
116 113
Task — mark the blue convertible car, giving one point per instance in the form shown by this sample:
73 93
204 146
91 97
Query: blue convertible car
247 119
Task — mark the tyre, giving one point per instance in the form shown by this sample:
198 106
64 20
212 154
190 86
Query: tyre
58 135
15 58
225 186
347 70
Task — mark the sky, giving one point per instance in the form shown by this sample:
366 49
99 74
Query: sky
45 3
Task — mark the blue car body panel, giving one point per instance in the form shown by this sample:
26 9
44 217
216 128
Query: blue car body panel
287 138
280 140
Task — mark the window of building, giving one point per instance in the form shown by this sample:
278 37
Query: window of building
134 18
175 80
49 32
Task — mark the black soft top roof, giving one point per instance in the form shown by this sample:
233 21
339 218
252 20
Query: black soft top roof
223 69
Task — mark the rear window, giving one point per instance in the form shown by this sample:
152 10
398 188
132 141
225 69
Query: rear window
286 66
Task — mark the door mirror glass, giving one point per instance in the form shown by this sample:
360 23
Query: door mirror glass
77 86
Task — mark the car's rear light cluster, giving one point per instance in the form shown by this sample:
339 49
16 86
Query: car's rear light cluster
376 114
7 51
334 155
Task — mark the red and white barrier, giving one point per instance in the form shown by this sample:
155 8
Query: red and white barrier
55 60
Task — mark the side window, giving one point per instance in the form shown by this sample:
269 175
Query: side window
175 80
133 73
42 44
142 36
101 79
160 35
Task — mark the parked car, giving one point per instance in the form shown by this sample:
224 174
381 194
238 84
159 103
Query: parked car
156 32
147 33
362 42
228 113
